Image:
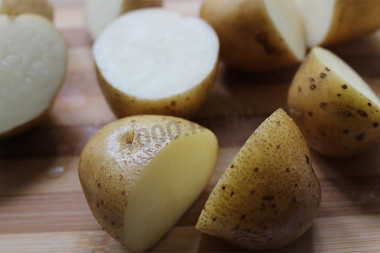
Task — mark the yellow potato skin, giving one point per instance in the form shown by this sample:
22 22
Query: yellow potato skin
269 195
113 160
182 105
335 119
353 19
130 5
18 7
248 38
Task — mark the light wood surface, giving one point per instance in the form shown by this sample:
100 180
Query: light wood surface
43 209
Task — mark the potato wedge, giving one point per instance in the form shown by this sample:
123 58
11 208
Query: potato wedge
100 13
18 7
258 35
33 64
336 110
140 174
336 21
269 195
154 61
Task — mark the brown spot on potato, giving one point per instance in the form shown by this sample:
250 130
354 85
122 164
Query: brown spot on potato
256 169
223 187
287 170
327 69
322 75
252 192
268 198
369 104
307 159
360 137
278 146
311 80
242 217
323 105
299 89
173 103
375 124
98 185
232 166
312 86
214 219
344 86
338 95
362 113
232 194
310 113
123 193
345 131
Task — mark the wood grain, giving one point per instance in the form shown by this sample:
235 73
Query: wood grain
41 211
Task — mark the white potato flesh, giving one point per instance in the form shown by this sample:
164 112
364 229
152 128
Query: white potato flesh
289 25
99 13
344 71
32 68
156 53
170 184
317 17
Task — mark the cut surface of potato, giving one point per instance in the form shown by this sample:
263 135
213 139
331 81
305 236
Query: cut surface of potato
99 13
335 21
32 68
140 174
154 61
269 195
335 109
18 7
257 35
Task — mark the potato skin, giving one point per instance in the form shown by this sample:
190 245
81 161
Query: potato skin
269 195
248 38
114 159
130 5
18 7
181 105
335 119
353 19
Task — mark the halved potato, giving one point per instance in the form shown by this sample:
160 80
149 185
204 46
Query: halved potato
269 195
336 110
140 174
32 68
153 61
18 7
335 21
256 35
99 13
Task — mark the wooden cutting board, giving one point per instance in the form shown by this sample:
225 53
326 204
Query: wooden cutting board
43 209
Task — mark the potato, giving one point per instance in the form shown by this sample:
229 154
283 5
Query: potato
154 61
99 13
258 35
140 174
269 195
33 63
18 7
336 110
335 21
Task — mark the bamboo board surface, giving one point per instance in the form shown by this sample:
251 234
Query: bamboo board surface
43 209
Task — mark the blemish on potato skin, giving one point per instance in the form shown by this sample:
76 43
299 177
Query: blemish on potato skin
360 137
312 86
310 113
307 159
252 192
369 104
322 75
345 131
338 95
232 166
375 124
344 86
232 193
173 103
242 217
268 198
362 113
327 69
214 219
287 170
256 169
323 105
223 187
299 89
